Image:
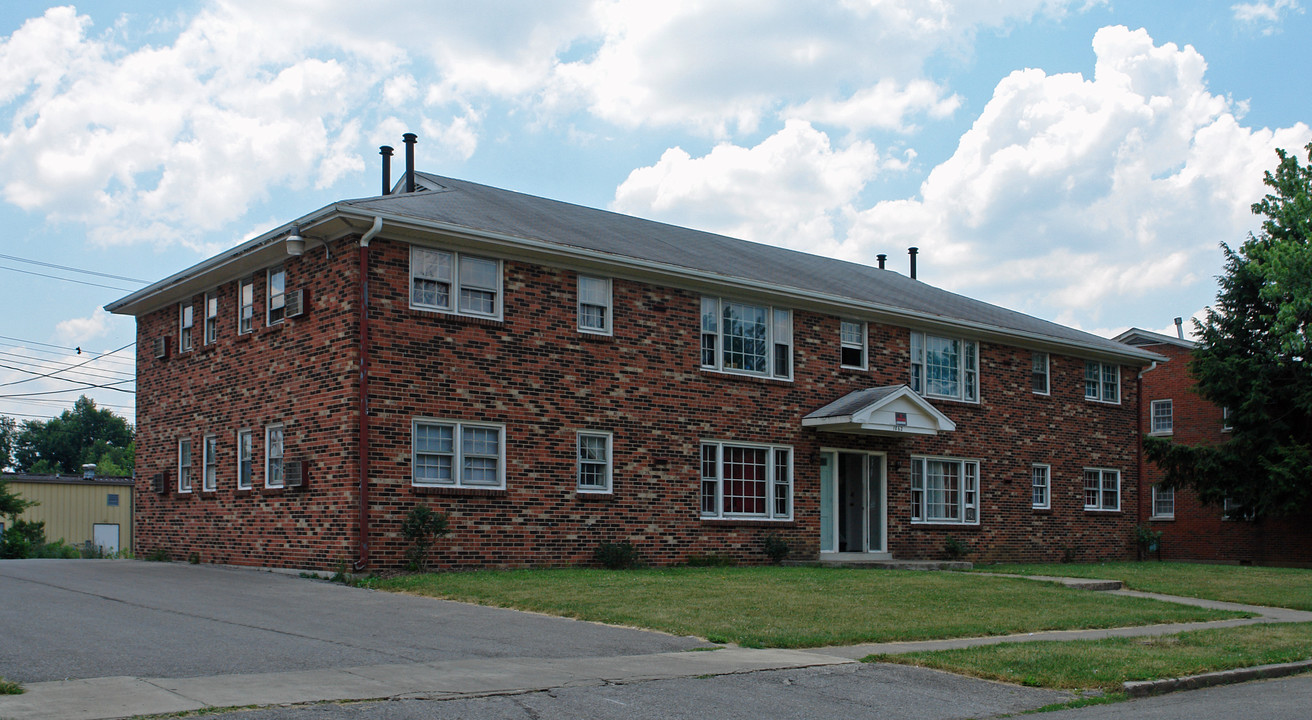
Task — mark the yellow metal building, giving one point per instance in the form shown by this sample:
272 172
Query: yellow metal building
78 509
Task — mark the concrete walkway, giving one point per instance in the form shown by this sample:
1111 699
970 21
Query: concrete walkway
116 697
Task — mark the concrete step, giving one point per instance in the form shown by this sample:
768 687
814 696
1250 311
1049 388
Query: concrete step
893 564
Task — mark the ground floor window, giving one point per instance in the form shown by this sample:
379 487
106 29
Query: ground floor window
1040 486
944 490
458 454
594 462
740 480
1102 489
1163 502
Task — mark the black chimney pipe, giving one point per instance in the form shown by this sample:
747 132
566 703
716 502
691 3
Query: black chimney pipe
410 140
912 252
386 152
882 258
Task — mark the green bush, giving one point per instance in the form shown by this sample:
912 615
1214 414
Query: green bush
8 687
22 538
617 556
56 550
955 548
420 528
159 555
776 548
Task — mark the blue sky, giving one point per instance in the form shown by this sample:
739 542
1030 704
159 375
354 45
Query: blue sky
1079 161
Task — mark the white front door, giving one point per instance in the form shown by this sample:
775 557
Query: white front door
852 502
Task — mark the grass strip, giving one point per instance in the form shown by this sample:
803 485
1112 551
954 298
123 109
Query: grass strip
1106 664
1267 586
800 607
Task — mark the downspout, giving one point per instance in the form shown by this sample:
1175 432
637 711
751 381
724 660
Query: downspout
1138 410
363 561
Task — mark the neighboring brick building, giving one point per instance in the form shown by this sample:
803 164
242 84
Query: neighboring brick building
554 376
1173 409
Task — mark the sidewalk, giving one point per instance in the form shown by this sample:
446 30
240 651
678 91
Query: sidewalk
116 697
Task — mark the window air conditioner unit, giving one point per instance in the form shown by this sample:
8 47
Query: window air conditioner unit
294 304
160 483
161 347
294 474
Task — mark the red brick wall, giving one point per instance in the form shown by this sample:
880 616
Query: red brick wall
1197 531
544 380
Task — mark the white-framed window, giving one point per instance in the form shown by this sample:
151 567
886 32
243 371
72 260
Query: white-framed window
211 317
944 490
273 474
594 462
245 456
209 463
458 454
184 465
245 305
945 367
453 282
1163 503
1232 509
594 305
852 338
1163 421
1040 487
1102 382
1225 419
186 320
1102 489
747 480
277 301
739 337
1040 382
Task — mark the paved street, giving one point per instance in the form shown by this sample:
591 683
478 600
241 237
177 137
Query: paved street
94 618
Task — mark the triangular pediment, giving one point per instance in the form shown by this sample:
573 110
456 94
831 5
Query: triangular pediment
893 410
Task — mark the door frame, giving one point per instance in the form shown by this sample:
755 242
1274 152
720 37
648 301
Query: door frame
879 460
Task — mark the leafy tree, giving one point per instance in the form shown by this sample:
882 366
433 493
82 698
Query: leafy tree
19 535
85 434
8 433
1253 359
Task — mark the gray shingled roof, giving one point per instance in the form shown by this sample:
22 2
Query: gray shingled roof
854 401
503 212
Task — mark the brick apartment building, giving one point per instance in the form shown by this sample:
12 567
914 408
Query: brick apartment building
554 377
1173 409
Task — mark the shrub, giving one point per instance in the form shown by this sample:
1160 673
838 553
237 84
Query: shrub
617 556
57 550
9 687
420 528
955 548
159 555
22 538
776 548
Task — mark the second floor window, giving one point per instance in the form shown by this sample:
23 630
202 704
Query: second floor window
277 295
454 283
1039 373
211 317
945 367
1102 382
594 305
852 337
185 322
743 338
245 305
1163 421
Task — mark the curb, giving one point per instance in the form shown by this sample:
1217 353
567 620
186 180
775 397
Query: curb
1145 688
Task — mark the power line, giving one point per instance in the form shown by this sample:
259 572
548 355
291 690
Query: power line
56 277
61 355
45 364
73 269
64 403
73 367
106 386
50 376
25 342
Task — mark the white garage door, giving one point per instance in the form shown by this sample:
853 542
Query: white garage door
105 537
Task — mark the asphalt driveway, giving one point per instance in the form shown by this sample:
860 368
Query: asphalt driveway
66 619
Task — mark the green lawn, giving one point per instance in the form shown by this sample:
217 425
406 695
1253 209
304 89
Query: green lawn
1271 587
1105 664
799 606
